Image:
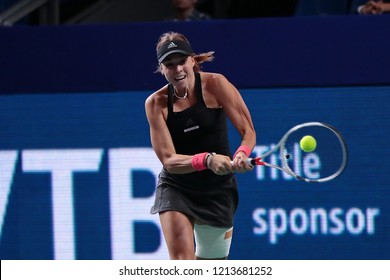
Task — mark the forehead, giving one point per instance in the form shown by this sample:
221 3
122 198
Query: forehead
175 57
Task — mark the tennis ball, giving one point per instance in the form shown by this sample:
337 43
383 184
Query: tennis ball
308 143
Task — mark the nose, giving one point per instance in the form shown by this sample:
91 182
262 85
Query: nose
179 68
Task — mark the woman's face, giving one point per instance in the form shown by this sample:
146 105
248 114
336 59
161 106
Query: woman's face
178 70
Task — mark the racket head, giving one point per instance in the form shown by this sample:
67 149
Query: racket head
325 163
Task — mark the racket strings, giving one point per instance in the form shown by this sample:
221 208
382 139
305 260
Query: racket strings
324 162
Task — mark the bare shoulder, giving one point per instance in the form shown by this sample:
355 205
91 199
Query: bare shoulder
217 90
213 79
156 103
217 84
157 98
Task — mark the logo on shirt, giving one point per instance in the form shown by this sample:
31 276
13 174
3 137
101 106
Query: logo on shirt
191 128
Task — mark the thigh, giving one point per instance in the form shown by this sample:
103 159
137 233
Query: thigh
178 231
212 242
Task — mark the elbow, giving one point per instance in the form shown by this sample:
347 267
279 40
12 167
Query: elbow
168 164
168 167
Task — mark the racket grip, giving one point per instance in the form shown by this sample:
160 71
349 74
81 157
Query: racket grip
250 161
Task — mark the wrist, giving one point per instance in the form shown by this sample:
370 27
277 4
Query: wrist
198 161
245 149
209 156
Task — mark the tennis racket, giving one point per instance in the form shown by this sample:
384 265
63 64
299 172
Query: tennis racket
325 163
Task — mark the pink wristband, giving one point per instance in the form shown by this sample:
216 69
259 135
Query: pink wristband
245 149
198 161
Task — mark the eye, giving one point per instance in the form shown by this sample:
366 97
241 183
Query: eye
174 63
183 61
168 65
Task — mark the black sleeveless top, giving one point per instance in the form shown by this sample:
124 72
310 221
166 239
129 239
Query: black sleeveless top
207 197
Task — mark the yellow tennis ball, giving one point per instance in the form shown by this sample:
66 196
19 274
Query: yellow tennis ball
308 143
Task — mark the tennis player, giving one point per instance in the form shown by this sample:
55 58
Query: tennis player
196 194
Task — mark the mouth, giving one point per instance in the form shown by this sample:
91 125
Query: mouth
180 77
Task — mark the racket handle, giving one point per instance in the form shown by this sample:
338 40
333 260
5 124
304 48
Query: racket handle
250 161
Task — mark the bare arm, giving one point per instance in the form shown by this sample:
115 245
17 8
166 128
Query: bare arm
156 111
229 98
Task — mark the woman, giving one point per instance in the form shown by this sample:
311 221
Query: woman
196 194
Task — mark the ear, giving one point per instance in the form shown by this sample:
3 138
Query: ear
161 69
193 60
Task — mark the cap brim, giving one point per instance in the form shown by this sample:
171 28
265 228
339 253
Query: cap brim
164 56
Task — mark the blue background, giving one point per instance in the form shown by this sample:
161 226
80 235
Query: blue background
84 87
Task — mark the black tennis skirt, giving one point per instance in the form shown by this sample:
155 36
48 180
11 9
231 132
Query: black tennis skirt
206 197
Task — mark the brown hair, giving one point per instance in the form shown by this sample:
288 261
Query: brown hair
199 58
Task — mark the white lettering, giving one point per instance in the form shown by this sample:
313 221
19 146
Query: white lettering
318 213
124 206
274 159
298 214
355 220
7 168
277 221
262 225
308 165
297 160
311 166
334 217
278 224
371 213
62 164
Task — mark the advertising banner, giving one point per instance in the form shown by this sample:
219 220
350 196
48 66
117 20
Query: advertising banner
78 176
